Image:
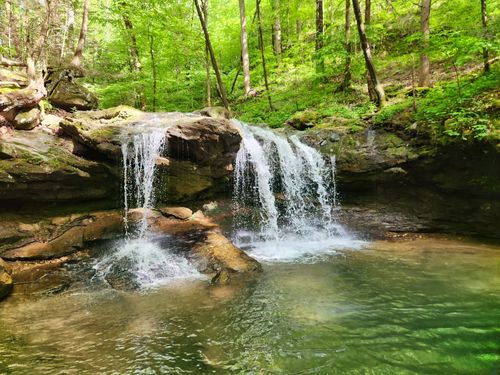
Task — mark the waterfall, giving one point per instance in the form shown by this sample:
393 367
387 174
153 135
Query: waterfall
285 198
142 253
139 155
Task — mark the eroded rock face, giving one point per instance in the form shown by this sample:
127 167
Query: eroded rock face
6 283
409 184
39 167
199 157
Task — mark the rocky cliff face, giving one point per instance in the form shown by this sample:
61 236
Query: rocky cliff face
81 162
390 181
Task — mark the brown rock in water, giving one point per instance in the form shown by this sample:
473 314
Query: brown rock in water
181 213
6 282
60 242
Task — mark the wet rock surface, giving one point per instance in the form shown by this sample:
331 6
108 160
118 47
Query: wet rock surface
34 255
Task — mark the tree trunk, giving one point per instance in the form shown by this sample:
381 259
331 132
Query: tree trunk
135 62
220 84
76 62
371 87
69 26
204 4
277 30
153 67
244 48
346 82
379 90
425 11
320 28
486 54
368 12
261 39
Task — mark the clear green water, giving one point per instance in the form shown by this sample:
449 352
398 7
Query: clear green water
430 307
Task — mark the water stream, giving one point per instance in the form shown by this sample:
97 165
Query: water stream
285 199
141 252
421 307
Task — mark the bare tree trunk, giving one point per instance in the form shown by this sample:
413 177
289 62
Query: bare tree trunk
320 29
204 5
277 30
244 48
153 67
69 26
220 84
484 18
135 62
368 55
346 82
368 12
371 87
76 62
261 39
425 11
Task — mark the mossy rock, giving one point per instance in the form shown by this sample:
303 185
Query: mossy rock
27 119
70 95
304 120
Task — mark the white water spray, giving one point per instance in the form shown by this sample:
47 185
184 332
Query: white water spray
150 262
292 188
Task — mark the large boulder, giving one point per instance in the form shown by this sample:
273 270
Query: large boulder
197 161
66 93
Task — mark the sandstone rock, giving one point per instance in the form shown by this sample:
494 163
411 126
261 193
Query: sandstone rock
181 213
49 242
27 119
199 158
6 283
38 167
51 121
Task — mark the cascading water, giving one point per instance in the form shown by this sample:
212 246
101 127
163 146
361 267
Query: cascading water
141 251
285 198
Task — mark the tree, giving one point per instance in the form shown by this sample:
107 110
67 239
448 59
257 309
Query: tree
484 18
204 4
277 45
425 11
261 40
320 26
215 67
135 62
379 90
346 81
244 49
371 87
76 62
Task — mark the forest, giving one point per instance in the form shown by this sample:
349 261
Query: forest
249 187
275 61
